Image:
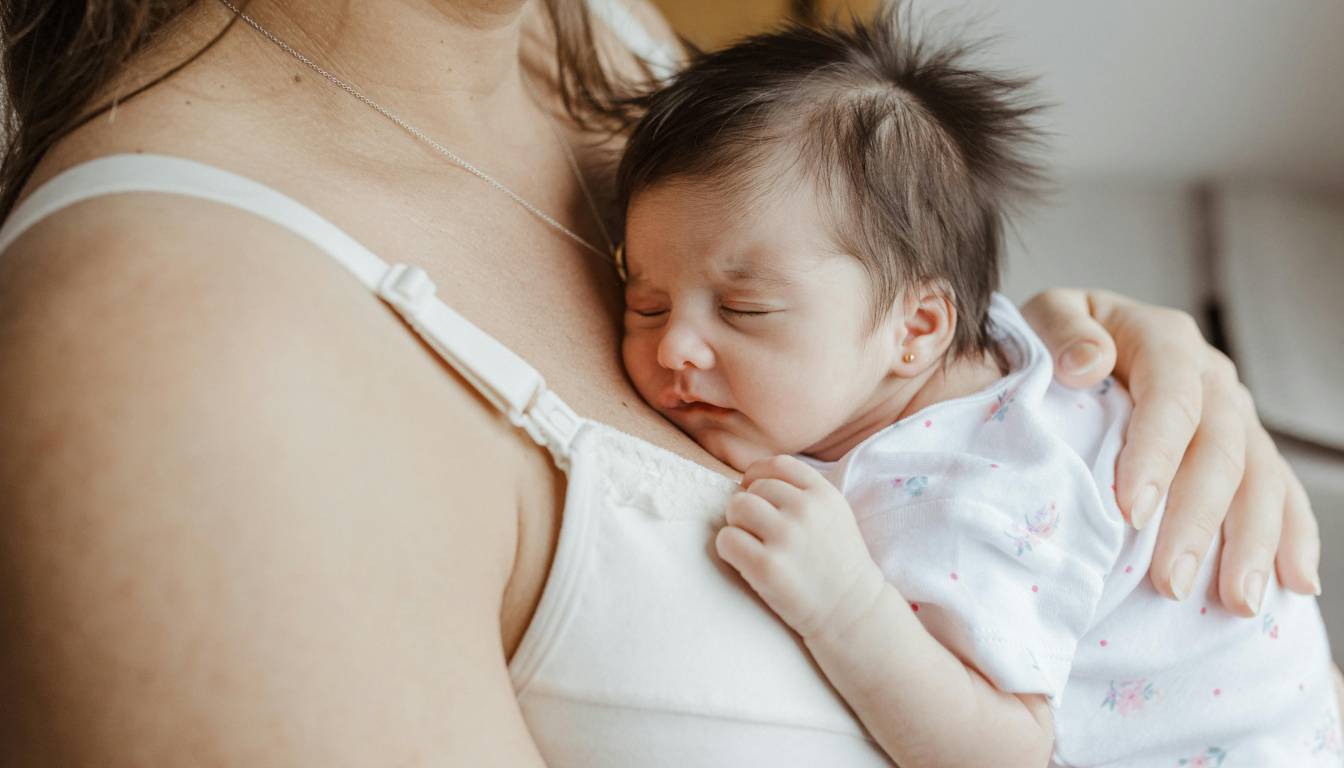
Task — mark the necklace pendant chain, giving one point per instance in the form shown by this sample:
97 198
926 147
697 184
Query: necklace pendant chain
452 156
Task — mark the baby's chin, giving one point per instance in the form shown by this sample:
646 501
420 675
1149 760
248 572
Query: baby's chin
734 450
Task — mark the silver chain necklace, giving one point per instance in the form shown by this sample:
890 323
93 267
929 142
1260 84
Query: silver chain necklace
608 255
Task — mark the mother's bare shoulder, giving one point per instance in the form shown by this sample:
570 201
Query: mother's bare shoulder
245 512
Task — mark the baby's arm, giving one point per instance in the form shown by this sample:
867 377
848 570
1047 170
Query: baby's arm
793 537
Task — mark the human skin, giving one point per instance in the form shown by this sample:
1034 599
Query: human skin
202 563
748 328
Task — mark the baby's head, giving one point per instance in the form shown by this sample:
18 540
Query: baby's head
813 218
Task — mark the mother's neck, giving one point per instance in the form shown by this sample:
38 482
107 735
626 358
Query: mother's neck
458 52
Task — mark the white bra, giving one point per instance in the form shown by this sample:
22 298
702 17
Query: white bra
646 649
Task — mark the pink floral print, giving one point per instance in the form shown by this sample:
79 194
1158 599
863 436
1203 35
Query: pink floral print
1213 756
1327 739
1129 696
1034 527
913 485
1270 627
999 408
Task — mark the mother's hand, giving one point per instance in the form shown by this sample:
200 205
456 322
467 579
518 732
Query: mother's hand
1194 433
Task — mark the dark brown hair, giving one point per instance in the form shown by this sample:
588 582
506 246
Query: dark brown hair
914 153
60 54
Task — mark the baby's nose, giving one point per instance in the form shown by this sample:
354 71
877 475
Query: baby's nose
681 347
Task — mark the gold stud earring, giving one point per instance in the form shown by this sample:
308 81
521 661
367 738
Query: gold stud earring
909 357
618 257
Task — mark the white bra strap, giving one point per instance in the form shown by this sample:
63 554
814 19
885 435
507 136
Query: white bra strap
515 387
662 58
503 378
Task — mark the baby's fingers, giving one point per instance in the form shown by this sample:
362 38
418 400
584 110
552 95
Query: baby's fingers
741 550
778 492
783 467
756 516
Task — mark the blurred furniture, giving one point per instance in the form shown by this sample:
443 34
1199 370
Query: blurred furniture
1280 270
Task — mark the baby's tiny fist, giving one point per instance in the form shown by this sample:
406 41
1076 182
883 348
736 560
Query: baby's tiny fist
794 539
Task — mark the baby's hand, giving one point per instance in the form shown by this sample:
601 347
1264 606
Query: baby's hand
794 539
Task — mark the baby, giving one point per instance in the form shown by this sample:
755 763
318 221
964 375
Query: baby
814 225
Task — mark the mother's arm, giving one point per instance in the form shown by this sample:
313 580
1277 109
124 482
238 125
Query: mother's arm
227 534
1194 433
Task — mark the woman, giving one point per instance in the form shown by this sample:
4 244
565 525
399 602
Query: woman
252 521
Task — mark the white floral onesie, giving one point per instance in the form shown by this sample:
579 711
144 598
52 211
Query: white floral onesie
995 515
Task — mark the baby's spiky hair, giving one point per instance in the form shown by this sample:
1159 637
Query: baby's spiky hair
915 153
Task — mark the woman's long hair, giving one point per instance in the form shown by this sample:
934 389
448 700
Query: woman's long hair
59 54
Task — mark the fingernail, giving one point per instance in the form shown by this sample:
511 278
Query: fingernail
1183 576
1316 584
1080 357
1144 506
1254 585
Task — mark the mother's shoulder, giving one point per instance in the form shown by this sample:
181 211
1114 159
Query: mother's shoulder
138 257
145 325
222 459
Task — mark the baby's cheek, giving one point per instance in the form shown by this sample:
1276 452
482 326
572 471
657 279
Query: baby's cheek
629 348
791 413
640 363
794 396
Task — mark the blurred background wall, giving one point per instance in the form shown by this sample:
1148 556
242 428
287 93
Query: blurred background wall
1198 149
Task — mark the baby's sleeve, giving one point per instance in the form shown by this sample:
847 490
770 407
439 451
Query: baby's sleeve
1009 582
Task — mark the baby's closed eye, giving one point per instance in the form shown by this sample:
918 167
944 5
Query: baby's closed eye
747 311
648 312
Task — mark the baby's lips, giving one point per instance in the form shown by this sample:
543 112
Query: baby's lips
668 401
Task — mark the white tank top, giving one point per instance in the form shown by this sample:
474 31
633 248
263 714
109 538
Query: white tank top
646 649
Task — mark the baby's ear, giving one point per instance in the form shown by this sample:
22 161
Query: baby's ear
928 324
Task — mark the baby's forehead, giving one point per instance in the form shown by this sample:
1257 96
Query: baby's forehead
762 219
734 268
772 235
761 266
757 270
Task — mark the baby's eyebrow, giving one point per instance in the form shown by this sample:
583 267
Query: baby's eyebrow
751 274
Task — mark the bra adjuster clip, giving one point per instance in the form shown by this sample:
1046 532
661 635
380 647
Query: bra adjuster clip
405 287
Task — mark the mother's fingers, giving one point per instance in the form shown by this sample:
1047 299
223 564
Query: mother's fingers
1251 532
1210 475
1167 376
1299 557
1186 436
1083 351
